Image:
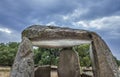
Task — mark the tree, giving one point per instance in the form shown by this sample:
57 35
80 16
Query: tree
45 56
84 56
7 53
117 61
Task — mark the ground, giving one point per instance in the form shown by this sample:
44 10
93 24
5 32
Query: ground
4 71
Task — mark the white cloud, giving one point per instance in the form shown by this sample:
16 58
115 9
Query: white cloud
75 14
13 37
9 35
5 30
109 26
51 23
112 22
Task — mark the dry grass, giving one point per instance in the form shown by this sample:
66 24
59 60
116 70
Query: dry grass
54 74
4 71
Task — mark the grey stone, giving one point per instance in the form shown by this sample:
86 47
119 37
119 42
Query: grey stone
42 71
103 62
23 65
56 37
69 63
39 32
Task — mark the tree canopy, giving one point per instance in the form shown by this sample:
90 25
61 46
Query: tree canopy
7 53
43 56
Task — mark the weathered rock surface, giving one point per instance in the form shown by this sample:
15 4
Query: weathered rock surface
38 32
103 62
56 37
69 63
23 65
42 71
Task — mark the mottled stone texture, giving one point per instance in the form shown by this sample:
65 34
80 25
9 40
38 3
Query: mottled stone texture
103 62
42 71
23 65
105 65
38 32
69 63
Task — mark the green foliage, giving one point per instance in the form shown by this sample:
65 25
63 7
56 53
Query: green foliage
43 56
117 61
84 56
45 59
7 53
50 56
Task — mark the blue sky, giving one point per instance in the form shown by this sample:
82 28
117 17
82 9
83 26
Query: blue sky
101 16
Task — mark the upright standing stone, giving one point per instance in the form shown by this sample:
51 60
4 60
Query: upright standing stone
42 71
23 65
105 65
68 64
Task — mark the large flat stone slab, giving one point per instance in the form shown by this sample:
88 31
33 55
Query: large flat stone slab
56 37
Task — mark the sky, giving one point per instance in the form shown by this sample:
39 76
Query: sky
100 16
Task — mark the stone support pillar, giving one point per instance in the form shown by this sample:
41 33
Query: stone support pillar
68 63
104 63
24 64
